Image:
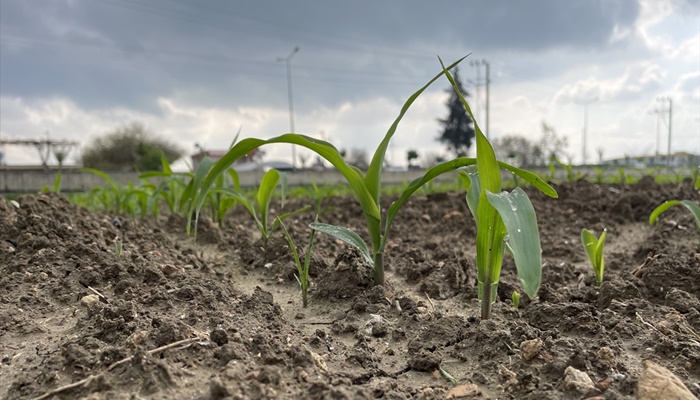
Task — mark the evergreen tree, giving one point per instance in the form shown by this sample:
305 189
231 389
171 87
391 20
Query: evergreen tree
458 128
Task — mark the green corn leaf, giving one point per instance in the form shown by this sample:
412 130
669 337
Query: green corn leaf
104 176
57 182
594 251
697 184
519 218
235 179
471 176
691 206
267 186
429 175
590 243
372 180
202 169
327 151
295 253
347 236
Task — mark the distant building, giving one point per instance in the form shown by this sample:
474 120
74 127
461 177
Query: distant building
679 159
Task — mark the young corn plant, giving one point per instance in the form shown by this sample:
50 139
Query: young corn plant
594 250
171 186
302 267
113 196
515 298
366 186
259 208
505 221
56 187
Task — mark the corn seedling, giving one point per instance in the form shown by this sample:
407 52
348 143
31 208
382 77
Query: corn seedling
515 298
599 175
571 175
259 209
594 250
113 196
56 187
171 186
302 268
119 240
365 186
505 221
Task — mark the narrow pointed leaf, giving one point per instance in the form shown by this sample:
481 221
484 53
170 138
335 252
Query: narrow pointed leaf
518 216
691 206
417 183
372 180
267 186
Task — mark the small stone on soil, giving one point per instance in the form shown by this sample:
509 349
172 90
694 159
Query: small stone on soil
657 382
577 380
530 348
463 391
89 300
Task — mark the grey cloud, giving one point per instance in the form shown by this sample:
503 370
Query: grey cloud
127 52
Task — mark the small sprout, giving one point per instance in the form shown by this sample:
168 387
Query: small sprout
119 246
119 240
594 250
515 298
302 268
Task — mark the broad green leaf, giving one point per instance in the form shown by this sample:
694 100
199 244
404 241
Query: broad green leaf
235 179
267 186
589 242
347 236
600 246
691 206
429 175
532 179
372 180
473 191
518 216
327 151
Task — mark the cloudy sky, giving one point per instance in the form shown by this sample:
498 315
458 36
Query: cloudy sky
198 71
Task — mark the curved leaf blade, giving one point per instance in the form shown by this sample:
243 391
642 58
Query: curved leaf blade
417 183
519 217
347 236
372 180
691 206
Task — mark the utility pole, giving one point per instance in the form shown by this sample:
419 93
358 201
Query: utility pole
291 100
486 82
585 104
657 112
669 125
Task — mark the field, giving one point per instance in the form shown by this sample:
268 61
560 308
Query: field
222 318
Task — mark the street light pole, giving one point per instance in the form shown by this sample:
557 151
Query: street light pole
288 60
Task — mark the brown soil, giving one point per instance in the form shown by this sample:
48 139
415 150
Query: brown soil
70 308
